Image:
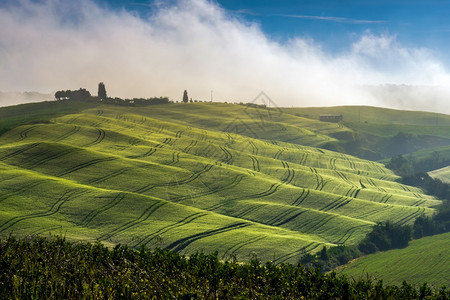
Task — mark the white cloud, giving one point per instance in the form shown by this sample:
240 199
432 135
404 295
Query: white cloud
193 45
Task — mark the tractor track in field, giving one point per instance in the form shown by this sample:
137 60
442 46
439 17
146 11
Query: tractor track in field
194 175
24 133
110 175
255 163
184 242
5 195
236 247
175 159
143 217
51 211
71 132
321 222
271 190
193 143
237 179
228 156
283 218
100 136
278 154
90 216
373 212
166 229
54 156
344 238
301 198
20 151
85 165
290 173
338 203
254 148
300 252
406 219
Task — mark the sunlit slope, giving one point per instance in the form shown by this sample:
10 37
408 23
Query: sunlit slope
130 175
441 174
424 260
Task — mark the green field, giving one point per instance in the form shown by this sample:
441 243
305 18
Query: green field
424 260
241 180
441 174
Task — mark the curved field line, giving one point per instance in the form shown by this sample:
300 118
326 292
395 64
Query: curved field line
110 175
99 139
239 246
290 173
184 242
48 229
228 156
84 165
407 218
54 156
322 222
191 178
272 189
308 248
301 198
373 212
20 151
189 147
247 211
175 158
51 211
99 113
133 141
237 179
278 220
143 217
334 204
255 163
348 234
23 189
90 216
74 130
278 154
24 133
166 229
179 134
254 148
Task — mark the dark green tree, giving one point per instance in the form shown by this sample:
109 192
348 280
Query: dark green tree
101 91
185 97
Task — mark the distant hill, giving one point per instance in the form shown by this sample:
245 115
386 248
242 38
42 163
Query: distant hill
424 260
442 174
14 98
238 179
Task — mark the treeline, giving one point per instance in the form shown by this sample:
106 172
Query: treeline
384 236
39 268
84 95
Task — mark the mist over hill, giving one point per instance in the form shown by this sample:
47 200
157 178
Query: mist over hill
13 98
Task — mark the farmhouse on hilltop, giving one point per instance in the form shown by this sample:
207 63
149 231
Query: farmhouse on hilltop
331 118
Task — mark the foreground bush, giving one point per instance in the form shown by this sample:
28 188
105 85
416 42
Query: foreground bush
39 268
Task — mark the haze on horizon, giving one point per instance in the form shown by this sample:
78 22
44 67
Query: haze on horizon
197 45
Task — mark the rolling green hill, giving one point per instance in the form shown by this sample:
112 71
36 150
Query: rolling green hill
442 174
200 176
424 260
386 132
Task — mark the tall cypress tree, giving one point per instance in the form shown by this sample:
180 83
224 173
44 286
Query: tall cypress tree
185 97
101 91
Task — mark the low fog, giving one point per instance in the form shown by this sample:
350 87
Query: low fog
196 45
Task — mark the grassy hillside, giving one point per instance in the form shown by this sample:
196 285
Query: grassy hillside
197 176
387 132
442 174
423 260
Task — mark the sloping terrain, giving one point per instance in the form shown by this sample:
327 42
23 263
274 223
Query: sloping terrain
382 133
441 174
200 176
424 260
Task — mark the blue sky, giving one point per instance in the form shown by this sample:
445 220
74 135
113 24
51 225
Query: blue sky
336 24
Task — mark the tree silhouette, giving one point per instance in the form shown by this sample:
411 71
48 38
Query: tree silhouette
185 97
101 91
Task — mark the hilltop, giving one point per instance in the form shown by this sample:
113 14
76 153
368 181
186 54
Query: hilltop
240 179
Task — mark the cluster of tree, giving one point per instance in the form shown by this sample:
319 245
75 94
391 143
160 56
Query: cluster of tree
79 95
406 166
84 95
384 236
38 268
